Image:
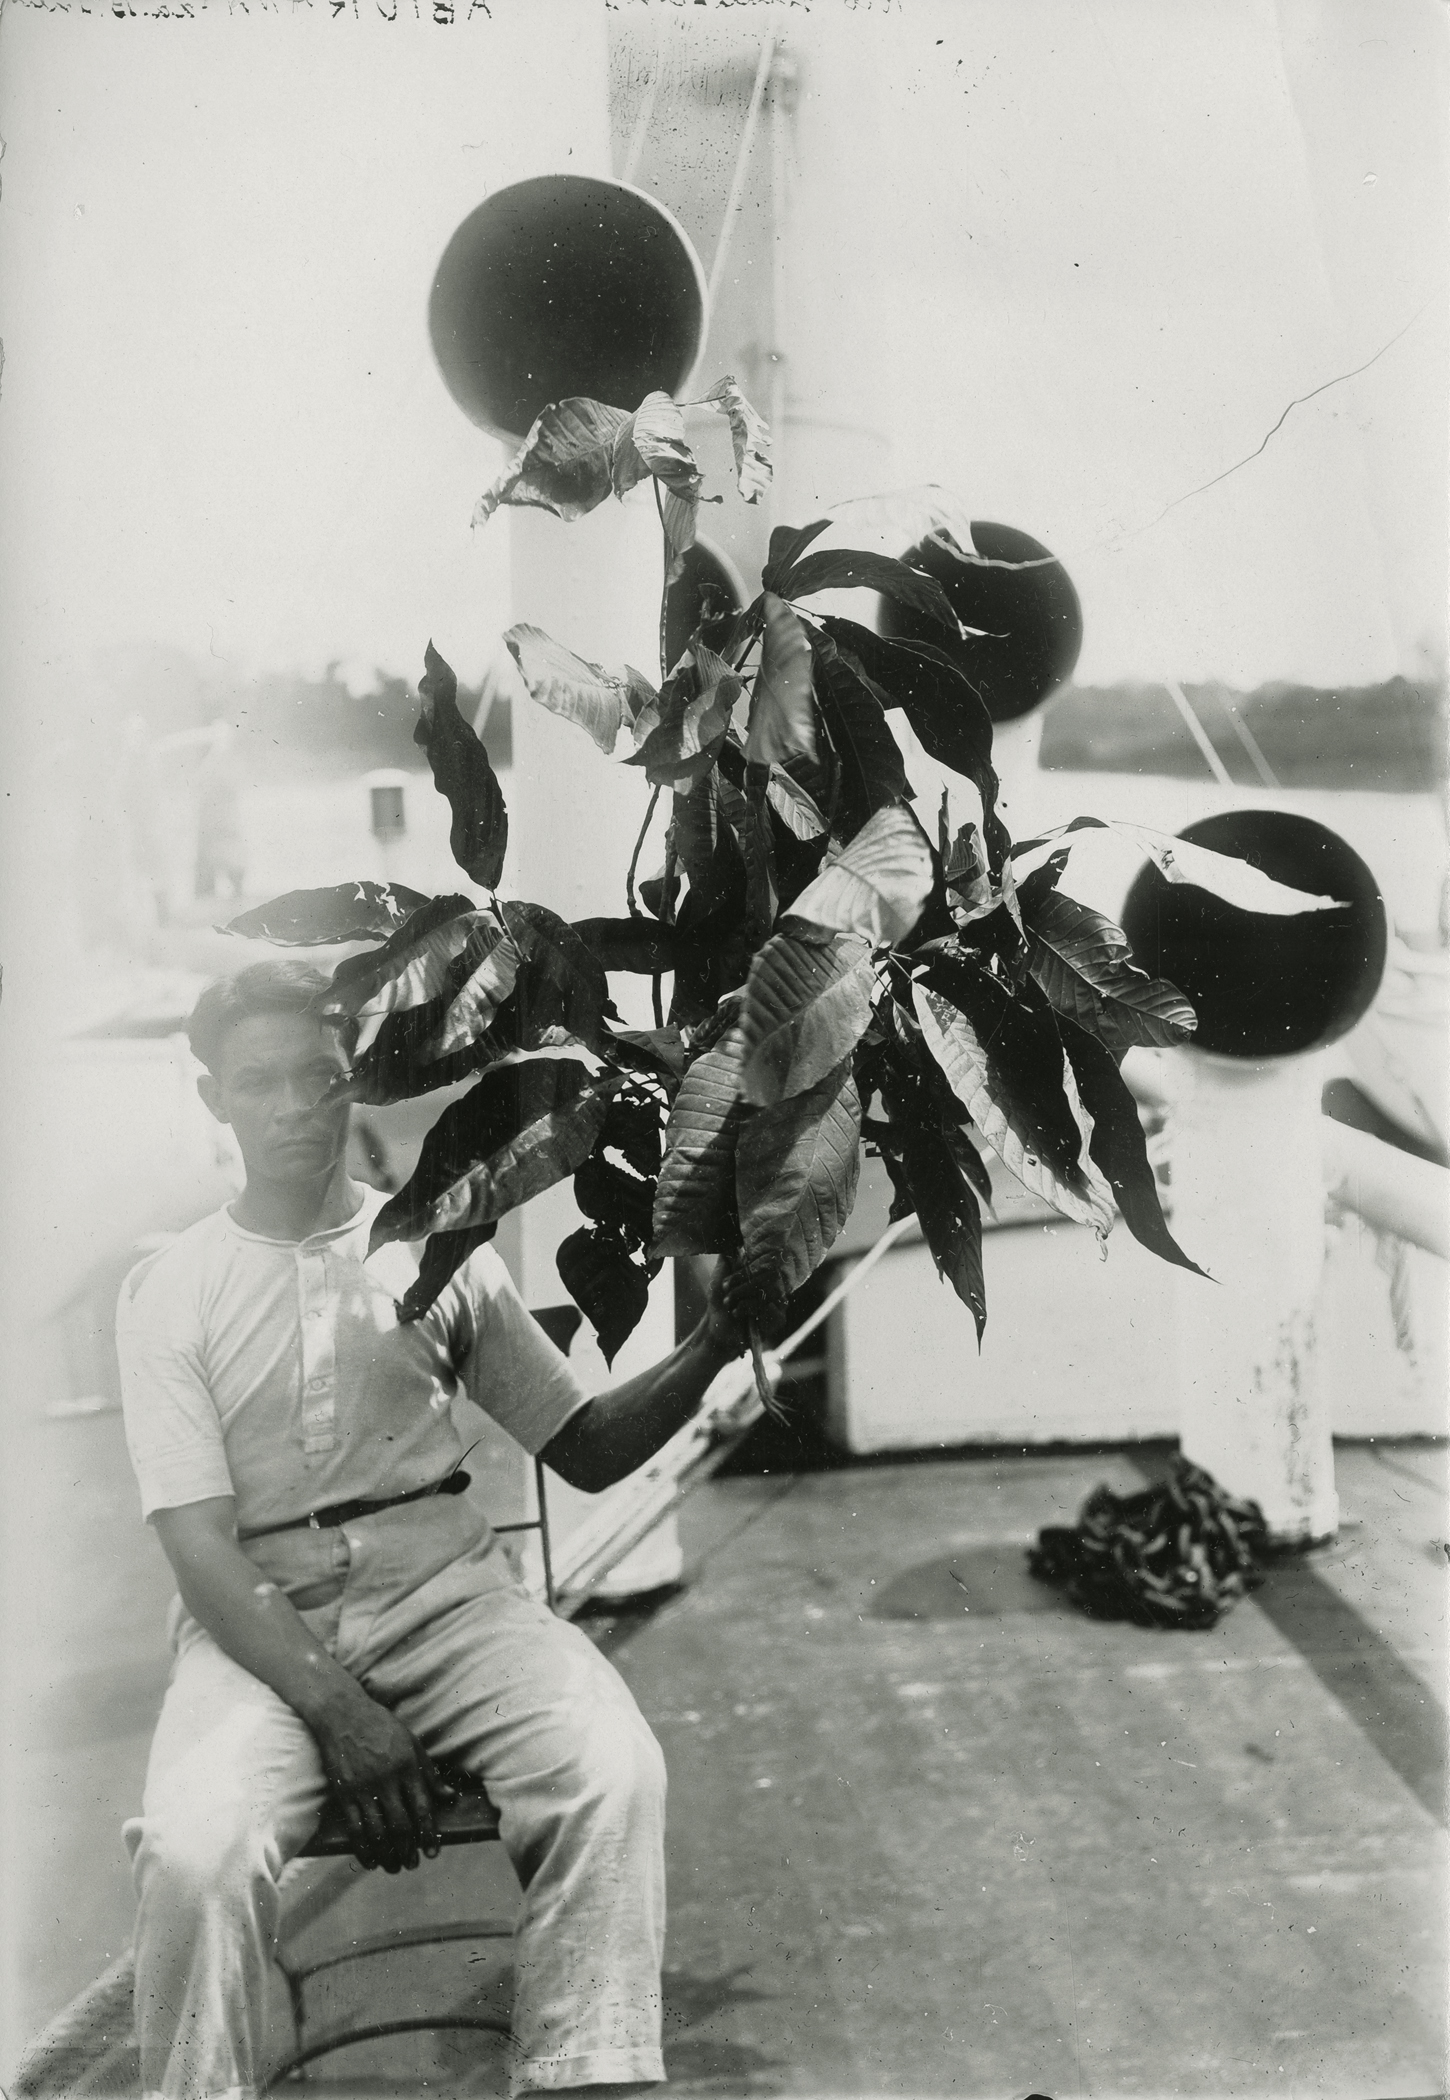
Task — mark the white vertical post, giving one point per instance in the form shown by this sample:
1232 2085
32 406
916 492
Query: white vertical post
593 585
1248 1206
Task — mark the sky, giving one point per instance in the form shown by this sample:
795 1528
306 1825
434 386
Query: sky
1073 260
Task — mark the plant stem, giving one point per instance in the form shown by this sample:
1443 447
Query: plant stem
629 896
667 916
665 579
762 1375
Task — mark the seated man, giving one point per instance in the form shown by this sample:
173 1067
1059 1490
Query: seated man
344 1616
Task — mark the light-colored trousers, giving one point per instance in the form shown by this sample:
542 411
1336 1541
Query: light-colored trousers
429 1617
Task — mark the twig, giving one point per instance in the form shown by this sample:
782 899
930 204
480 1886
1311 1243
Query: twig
762 1374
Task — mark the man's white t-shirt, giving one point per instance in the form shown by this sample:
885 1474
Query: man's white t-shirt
277 1371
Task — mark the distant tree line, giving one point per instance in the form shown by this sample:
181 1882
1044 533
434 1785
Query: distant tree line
1389 737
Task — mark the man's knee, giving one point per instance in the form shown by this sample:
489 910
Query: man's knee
196 1857
623 1764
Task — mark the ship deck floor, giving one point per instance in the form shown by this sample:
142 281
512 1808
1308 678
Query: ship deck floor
932 1831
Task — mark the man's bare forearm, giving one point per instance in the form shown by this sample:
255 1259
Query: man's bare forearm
383 1779
627 1423
248 1617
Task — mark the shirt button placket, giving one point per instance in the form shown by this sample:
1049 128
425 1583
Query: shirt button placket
319 1393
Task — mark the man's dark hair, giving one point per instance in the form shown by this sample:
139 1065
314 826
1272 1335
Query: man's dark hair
281 987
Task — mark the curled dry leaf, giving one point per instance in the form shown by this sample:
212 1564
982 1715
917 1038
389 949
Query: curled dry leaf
600 701
565 464
689 726
749 436
653 441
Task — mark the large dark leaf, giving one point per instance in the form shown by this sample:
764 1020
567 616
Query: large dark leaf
486 973
410 969
843 568
796 1170
641 947
801 809
787 544
693 715
1083 963
878 886
614 1198
633 1128
1006 1066
728 633
609 1289
1117 1145
349 911
782 719
561 984
695 1203
807 1002
461 771
872 774
658 1052
915 1090
712 956
599 701
941 705
707 849
401 1063
949 1217
443 1254
450 1035
796 861
565 464
1040 883
748 815
521 1129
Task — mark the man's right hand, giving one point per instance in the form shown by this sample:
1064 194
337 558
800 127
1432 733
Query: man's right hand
382 1779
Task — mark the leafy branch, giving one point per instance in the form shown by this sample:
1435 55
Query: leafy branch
837 979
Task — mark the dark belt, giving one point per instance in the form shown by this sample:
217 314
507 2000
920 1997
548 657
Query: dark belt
343 1512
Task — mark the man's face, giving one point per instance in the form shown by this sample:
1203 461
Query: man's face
274 1068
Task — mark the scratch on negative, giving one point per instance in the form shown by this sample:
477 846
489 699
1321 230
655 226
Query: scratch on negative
1297 402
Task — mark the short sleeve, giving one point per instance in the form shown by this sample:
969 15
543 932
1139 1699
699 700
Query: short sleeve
510 1368
173 1432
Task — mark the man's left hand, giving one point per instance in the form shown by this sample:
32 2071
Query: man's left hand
735 1302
